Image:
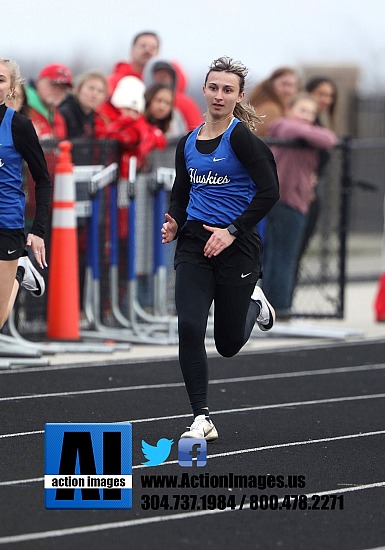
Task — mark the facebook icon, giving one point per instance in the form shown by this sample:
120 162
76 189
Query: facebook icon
192 452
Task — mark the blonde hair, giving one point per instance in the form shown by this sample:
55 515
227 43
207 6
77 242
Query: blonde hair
243 111
302 95
14 72
90 75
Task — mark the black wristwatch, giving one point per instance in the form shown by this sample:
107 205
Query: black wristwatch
232 230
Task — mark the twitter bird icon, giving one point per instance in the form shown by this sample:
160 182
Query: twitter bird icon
156 454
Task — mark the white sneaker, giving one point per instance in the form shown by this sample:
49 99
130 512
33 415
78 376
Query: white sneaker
266 318
32 279
201 428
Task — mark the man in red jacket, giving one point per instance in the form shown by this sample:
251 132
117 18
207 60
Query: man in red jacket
145 45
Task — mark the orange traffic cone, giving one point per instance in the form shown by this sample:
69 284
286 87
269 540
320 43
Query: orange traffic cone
63 309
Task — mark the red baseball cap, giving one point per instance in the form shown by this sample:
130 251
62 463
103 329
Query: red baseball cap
57 74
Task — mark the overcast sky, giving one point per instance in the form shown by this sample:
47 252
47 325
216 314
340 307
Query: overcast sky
262 34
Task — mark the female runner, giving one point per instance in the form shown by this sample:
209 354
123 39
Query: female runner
18 142
226 182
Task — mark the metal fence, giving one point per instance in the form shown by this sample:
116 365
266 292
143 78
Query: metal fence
368 163
127 276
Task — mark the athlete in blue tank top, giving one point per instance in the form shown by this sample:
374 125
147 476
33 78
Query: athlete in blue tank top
226 182
221 187
18 143
12 198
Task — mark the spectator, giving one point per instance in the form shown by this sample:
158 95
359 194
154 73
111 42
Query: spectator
83 121
185 103
50 90
160 71
79 109
145 45
286 220
171 73
18 102
324 91
160 110
125 122
270 98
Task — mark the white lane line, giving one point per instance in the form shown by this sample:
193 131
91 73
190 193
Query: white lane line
160 519
234 453
296 374
95 391
21 481
229 411
283 445
21 434
129 362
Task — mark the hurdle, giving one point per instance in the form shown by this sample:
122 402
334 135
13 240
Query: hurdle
127 331
82 176
143 327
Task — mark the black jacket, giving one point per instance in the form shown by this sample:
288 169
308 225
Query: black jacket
79 124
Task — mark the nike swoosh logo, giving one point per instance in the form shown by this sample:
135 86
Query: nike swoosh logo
246 275
12 251
217 160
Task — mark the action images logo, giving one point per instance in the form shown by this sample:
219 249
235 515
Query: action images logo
88 466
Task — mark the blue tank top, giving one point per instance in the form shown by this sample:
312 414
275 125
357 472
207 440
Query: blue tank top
12 198
221 188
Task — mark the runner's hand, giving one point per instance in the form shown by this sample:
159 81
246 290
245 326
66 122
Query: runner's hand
169 229
38 248
219 240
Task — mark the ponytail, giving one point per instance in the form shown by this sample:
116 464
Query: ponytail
246 113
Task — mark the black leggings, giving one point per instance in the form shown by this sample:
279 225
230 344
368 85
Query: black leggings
234 318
